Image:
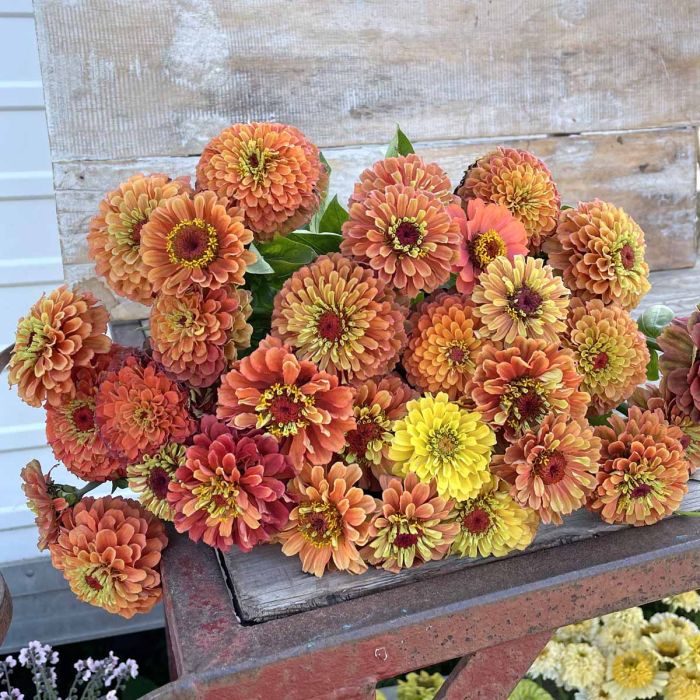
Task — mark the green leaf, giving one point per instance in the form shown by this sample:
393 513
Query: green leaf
564 207
321 242
400 145
600 420
655 319
259 267
322 158
333 217
653 366
285 255
119 484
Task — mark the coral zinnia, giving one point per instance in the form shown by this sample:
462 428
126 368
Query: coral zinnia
443 345
64 330
231 488
42 500
634 673
109 551
271 171
114 239
517 387
520 297
341 317
610 353
376 407
191 240
440 440
553 469
410 170
643 476
488 231
306 410
414 525
190 333
405 235
492 523
152 476
600 252
520 182
138 409
330 522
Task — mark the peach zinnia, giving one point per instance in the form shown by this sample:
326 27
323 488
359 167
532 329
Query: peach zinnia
231 488
337 314
271 171
552 470
64 330
520 297
44 501
191 240
488 232
520 182
139 409
443 345
643 476
109 551
515 388
330 522
306 410
405 235
114 239
600 252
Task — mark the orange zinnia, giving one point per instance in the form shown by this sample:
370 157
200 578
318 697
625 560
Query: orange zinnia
42 500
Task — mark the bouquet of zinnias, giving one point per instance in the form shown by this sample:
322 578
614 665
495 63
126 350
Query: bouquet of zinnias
428 373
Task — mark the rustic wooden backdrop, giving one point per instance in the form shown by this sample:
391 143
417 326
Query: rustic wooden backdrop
607 92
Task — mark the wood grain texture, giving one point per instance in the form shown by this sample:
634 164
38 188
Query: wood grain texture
651 174
268 585
120 83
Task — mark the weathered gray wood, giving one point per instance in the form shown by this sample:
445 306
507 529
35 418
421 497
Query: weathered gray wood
267 584
121 83
678 289
651 174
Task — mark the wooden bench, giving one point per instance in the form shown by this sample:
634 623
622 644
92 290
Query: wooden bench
606 93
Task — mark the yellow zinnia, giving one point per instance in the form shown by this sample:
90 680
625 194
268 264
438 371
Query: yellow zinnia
440 440
634 673
683 684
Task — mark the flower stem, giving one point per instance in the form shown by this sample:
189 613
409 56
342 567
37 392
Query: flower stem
90 486
689 513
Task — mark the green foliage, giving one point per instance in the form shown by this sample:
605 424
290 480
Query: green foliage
653 365
259 267
285 256
600 420
654 320
399 145
332 217
322 243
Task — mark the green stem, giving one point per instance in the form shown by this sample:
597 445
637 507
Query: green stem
689 513
90 486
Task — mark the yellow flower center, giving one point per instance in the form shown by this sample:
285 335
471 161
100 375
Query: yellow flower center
525 403
319 523
218 498
282 410
634 669
93 584
640 486
255 160
669 648
485 248
373 431
443 443
143 417
458 355
32 339
192 243
80 414
406 235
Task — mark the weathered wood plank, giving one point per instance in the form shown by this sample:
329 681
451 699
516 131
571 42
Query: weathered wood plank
267 584
118 85
649 173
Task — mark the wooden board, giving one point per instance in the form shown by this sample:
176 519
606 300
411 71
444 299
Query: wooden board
267 585
651 174
125 81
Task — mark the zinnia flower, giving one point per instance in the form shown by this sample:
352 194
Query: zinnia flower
488 231
584 631
691 657
529 690
671 621
689 601
270 171
42 500
330 522
376 407
517 387
582 667
443 346
492 523
683 684
191 240
610 353
62 331
411 171
546 665
114 239
109 551
634 673
405 235
668 645
306 410
520 182
231 488
190 333
520 298
419 686
600 252
414 526
341 317
553 469
440 440
139 409
643 476
152 476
